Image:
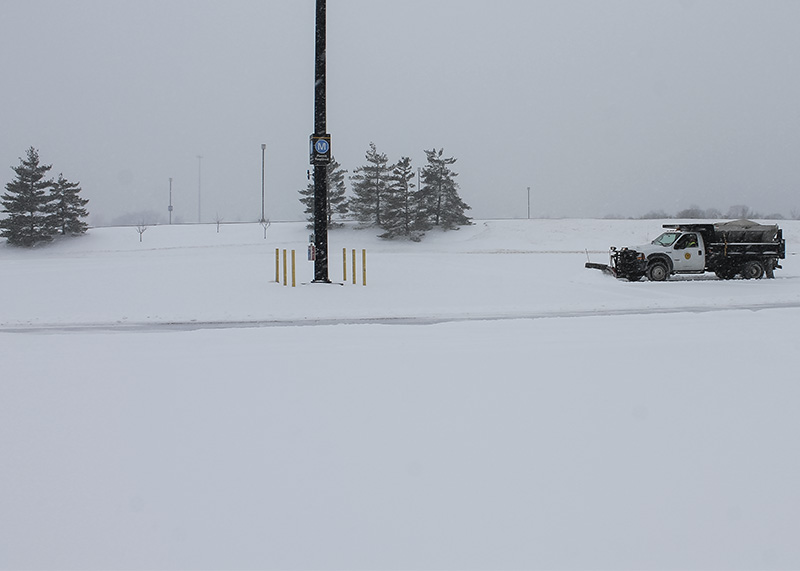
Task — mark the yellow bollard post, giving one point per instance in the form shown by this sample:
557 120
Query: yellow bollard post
284 266
354 266
344 264
277 266
293 280
363 267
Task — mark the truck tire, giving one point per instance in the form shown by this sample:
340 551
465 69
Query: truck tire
726 272
657 271
752 270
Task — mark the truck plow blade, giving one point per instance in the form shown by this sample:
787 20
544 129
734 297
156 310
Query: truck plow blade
605 268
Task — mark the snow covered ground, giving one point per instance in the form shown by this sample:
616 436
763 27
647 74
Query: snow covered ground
484 402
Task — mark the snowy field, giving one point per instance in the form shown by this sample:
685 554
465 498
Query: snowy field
484 402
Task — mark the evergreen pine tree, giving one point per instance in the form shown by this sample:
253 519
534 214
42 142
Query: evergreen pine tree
337 201
439 192
27 203
337 193
68 208
400 206
369 187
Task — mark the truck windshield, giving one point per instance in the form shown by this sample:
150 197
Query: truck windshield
666 239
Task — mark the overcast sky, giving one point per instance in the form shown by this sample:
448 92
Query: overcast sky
600 107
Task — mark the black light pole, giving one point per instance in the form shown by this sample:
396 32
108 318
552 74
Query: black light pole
320 153
263 148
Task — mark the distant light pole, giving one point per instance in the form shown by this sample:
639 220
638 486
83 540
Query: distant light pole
199 178
263 148
170 200
529 203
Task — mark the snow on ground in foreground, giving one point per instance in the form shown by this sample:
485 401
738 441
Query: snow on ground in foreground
655 430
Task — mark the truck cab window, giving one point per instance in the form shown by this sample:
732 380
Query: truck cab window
666 239
686 241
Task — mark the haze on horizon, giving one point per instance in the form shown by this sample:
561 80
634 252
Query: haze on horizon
615 107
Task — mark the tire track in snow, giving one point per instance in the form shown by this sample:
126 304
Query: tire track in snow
148 326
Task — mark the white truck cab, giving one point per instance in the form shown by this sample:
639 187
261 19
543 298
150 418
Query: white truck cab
685 249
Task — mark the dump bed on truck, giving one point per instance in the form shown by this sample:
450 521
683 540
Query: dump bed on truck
746 231
735 231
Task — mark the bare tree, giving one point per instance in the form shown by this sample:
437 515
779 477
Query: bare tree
740 211
693 212
140 228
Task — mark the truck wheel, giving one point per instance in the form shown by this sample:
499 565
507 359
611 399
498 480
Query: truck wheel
657 272
752 270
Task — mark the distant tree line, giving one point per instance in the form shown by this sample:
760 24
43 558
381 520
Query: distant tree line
737 211
384 195
37 208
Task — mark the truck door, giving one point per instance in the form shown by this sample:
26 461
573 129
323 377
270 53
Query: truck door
687 254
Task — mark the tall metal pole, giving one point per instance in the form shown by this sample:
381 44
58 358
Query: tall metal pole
263 148
320 170
529 203
199 178
170 200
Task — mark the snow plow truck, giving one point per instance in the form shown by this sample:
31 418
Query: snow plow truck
729 249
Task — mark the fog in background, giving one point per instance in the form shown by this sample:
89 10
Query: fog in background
613 107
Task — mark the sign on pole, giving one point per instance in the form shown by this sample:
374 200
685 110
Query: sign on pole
320 149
